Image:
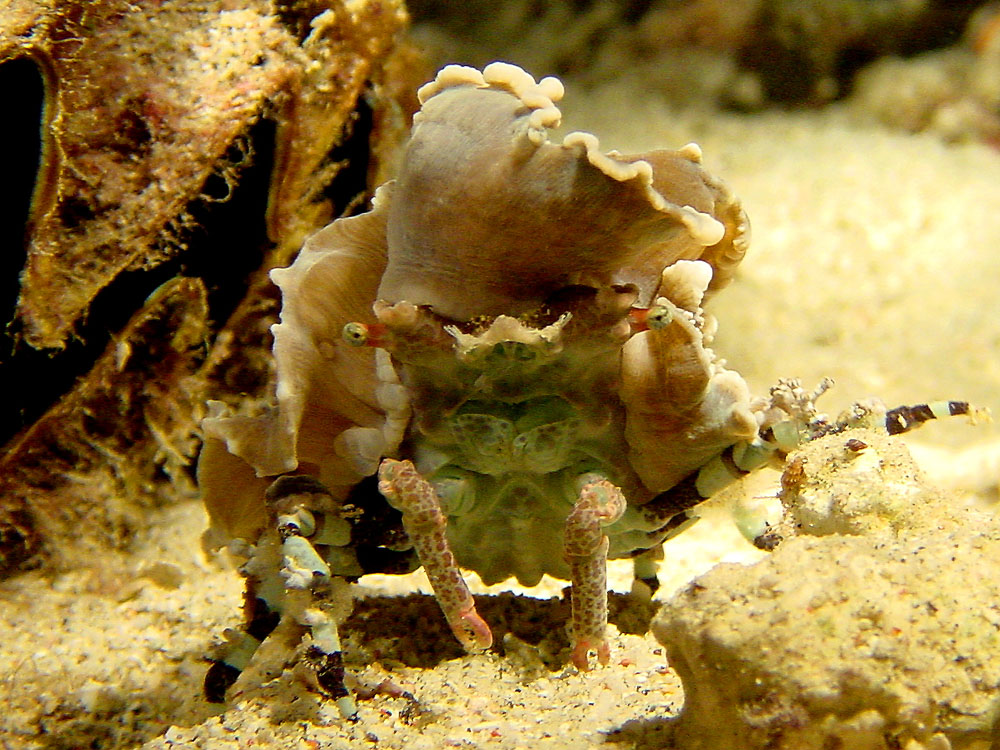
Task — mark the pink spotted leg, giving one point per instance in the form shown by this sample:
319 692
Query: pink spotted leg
425 524
586 549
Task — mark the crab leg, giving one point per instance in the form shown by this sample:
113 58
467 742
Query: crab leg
645 567
324 656
586 551
425 524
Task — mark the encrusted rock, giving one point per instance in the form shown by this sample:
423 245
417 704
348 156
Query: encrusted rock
156 113
81 476
874 627
143 101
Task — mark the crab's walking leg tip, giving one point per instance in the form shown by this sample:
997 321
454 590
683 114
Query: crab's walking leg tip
582 649
581 656
586 551
426 526
472 631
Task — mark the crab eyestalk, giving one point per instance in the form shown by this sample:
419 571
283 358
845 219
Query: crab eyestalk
654 318
360 334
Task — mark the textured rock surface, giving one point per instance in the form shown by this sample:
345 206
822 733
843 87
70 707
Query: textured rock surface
83 477
876 627
193 140
143 102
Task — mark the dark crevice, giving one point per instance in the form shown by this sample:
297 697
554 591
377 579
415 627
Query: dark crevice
349 190
635 10
297 16
229 241
849 62
225 244
789 67
22 83
42 377
18 541
225 247
942 25
787 73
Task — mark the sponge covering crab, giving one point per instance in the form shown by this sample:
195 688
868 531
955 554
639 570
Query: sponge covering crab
512 341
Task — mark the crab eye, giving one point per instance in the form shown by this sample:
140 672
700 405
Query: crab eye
659 317
355 334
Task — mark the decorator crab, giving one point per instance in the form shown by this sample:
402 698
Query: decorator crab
503 366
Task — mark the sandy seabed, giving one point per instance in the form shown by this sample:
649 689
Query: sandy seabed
874 260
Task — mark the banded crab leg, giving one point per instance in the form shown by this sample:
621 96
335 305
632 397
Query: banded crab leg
290 590
425 524
585 547
905 418
777 438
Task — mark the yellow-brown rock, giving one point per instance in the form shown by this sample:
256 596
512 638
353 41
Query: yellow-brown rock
149 117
